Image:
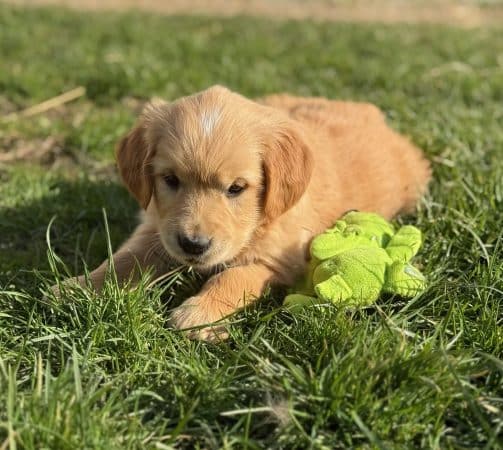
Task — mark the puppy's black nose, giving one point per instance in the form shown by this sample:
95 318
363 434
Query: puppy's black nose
195 245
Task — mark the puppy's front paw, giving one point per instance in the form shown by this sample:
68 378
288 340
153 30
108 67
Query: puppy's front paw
55 290
58 290
194 314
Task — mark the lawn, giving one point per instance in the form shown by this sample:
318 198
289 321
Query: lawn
107 372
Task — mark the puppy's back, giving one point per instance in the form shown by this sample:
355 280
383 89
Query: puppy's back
360 162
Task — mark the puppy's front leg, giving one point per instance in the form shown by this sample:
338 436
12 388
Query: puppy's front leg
143 250
222 295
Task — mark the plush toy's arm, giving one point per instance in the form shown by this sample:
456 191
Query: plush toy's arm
370 225
404 244
326 246
404 280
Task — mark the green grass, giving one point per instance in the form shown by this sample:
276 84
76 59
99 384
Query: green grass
106 372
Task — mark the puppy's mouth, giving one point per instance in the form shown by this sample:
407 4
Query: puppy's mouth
203 264
189 260
193 261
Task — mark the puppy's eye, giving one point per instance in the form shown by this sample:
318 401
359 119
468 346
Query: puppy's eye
235 189
172 181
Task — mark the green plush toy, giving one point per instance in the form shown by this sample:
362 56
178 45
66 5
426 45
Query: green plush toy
357 259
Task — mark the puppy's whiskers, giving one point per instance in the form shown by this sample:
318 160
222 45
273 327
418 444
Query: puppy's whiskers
157 249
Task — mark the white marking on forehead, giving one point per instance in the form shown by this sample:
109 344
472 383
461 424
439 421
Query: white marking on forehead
209 119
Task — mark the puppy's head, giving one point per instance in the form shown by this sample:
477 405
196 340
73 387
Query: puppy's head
213 169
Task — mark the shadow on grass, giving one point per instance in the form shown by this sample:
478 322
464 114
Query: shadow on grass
77 233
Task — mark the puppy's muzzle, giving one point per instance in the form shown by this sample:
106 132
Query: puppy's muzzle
196 245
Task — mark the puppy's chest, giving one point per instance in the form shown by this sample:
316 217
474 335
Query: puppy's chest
281 247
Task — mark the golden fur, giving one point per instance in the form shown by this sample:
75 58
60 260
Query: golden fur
303 162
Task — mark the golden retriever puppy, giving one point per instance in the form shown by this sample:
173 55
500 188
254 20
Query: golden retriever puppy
240 187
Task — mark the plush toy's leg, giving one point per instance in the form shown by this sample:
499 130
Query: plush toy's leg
295 302
308 286
404 244
404 280
333 289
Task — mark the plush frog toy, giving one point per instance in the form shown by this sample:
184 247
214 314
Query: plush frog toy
357 259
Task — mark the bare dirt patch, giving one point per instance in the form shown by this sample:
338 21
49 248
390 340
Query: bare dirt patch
467 13
14 149
50 153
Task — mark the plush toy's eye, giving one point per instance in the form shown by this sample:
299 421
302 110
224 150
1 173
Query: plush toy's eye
172 181
235 189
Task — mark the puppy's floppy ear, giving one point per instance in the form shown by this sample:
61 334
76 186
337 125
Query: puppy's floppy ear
133 155
288 164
